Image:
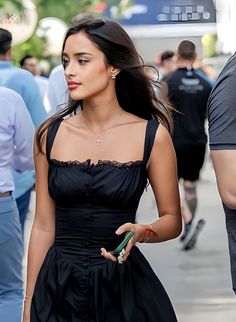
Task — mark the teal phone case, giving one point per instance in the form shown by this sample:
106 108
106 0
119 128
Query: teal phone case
124 242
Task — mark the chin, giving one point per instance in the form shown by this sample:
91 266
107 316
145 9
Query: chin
76 97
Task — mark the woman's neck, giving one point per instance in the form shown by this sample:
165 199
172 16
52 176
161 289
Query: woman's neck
102 114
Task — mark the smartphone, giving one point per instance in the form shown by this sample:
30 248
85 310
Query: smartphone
124 242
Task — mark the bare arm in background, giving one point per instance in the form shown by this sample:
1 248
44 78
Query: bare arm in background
224 162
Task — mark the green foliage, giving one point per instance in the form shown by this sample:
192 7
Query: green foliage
34 46
121 7
63 9
66 10
209 45
8 8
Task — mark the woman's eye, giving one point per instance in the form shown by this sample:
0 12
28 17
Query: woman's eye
65 63
83 61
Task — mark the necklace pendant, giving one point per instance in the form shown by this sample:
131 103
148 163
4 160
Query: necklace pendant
98 141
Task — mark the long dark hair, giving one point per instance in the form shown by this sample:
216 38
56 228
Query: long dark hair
134 88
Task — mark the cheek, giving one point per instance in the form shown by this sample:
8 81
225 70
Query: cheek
93 85
97 79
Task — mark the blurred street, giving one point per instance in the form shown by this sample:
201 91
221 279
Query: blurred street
198 281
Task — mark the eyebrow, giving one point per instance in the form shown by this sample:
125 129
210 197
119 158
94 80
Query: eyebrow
78 54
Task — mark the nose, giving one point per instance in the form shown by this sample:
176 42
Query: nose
70 70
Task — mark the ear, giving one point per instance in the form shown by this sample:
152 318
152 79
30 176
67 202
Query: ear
114 71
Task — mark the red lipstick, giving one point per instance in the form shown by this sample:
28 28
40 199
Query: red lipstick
72 85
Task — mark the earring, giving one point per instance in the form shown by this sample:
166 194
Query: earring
113 77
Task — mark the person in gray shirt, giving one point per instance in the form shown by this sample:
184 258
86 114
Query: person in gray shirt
222 137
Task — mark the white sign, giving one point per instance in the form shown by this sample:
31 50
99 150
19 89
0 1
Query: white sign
21 27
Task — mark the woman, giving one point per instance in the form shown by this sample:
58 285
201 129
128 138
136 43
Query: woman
86 201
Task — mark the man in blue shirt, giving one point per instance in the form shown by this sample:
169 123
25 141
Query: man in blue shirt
23 83
16 141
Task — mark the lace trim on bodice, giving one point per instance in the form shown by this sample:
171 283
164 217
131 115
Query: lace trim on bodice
100 163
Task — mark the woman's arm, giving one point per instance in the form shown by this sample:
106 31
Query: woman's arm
43 230
162 174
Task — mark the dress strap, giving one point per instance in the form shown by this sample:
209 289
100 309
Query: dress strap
152 126
51 134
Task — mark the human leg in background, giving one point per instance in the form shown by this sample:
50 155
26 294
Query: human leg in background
11 285
190 161
189 205
191 229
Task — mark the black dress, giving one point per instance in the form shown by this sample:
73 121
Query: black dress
77 284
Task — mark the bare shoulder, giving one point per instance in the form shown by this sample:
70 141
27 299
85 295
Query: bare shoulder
163 149
162 136
40 142
162 144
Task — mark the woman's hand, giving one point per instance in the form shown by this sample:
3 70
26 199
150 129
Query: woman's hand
142 234
26 311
